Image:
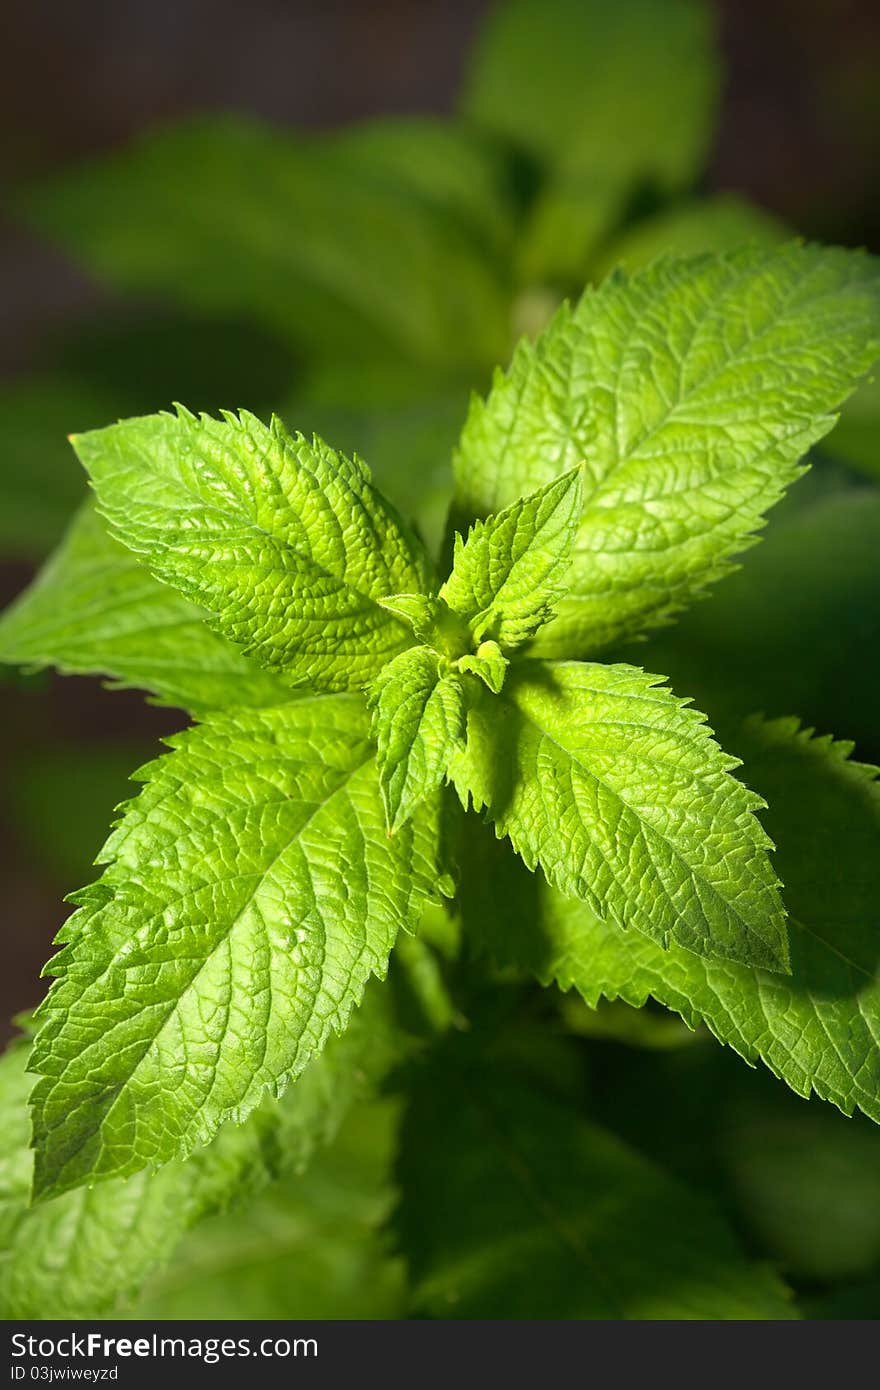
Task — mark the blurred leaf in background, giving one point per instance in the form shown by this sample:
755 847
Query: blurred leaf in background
92 1250
345 245
797 1179
813 648
718 223
65 798
807 1184
312 1246
607 100
40 482
513 1206
856 439
110 367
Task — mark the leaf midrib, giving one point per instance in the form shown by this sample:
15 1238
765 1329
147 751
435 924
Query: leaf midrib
613 792
253 526
174 1005
622 456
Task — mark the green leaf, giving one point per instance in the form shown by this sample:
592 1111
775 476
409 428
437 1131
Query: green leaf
857 1302
856 439
432 622
798 627
109 366
64 794
569 223
815 1029
815 645
691 392
251 893
94 609
309 1247
510 572
403 426
347 245
722 222
806 1182
418 722
88 1251
420 983
40 484
421 612
489 663
513 1206
463 176
606 98
617 790
285 544
627 90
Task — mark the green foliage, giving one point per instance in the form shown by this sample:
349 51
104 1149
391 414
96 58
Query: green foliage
856 439
814 647
311 1246
691 391
615 788
548 75
418 721
815 1028
251 893
39 487
807 1184
361 688
117 364
285 544
335 240
545 73
404 428
93 1248
94 609
489 663
509 573
723 222
251 889
515 1207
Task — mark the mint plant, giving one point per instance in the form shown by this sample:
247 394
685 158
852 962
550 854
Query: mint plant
400 990
363 712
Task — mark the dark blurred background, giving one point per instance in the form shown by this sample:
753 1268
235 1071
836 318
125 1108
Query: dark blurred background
799 134
799 129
